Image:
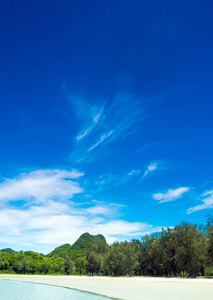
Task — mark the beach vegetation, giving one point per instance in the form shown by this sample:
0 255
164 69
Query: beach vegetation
185 250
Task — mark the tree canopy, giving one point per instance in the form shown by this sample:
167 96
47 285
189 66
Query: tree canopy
185 250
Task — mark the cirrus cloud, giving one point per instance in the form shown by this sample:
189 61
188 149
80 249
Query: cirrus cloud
170 195
207 202
106 122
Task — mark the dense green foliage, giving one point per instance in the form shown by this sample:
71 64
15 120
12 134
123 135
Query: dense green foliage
78 249
61 251
185 250
8 250
31 263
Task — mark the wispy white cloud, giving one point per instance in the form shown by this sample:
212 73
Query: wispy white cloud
99 210
134 173
81 136
207 193
104 123
107 181
170 195
41 185
97 117
207 202
95 120
88 114
150 168
103 137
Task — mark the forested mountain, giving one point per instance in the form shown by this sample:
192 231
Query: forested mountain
86 238
185 250
79 247
61 251
8 250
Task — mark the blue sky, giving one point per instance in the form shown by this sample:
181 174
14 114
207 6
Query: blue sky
105 119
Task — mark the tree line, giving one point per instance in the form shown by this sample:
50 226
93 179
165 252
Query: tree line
185 250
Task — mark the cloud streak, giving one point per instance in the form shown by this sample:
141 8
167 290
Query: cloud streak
109 181
207 202
150 168
89 129
102 139
134 173
105 123
170 195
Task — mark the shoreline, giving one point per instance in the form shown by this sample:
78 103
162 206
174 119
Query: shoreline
128 288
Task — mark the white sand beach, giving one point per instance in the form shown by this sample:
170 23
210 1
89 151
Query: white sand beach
137 288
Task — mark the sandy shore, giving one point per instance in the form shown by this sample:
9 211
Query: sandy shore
136 288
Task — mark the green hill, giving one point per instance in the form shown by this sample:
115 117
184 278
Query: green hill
61 251
79 247
8 250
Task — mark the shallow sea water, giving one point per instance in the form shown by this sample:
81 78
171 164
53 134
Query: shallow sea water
15 290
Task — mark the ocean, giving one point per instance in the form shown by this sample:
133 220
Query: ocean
16 290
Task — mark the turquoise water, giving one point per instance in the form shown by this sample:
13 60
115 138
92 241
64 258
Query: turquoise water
15 290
